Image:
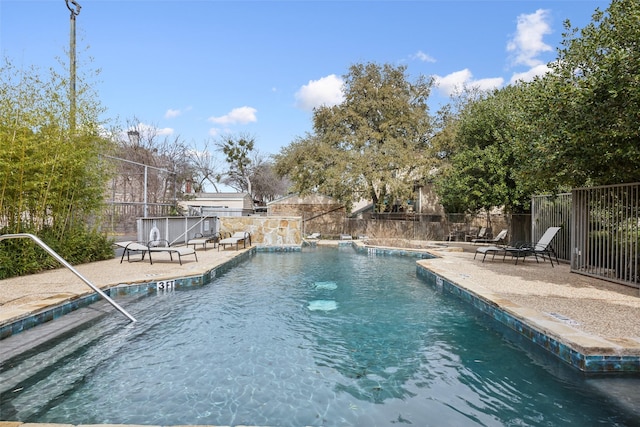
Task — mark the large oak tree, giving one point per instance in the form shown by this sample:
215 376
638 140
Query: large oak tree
370 146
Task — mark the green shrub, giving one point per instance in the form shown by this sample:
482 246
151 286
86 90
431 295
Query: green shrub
20 257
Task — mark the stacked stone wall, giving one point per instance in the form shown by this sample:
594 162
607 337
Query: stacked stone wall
326 219
289 230
265 230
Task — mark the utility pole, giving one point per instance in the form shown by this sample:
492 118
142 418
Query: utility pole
74 8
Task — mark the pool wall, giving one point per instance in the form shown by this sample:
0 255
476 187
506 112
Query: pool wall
589 363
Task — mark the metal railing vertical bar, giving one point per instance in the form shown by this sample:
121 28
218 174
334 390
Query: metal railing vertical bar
605 240
188 228
619 241
636 236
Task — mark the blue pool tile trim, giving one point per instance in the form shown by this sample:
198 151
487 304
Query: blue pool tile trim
585 363
288 248
375 250
47 315
123 289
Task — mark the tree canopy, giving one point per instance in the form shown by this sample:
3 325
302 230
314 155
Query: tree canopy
574 126
237 152
249 170
373 145
587 109
480 162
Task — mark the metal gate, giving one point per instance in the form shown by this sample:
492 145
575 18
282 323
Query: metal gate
605 235
553 211
176 229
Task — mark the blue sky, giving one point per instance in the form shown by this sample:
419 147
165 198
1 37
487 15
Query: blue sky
200 69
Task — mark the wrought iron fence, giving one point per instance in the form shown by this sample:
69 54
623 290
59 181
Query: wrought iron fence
137 190
600 233
606 232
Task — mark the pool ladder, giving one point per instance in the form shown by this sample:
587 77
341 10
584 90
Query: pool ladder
62 261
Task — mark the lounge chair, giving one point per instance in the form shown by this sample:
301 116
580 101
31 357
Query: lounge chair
499 238
313 236
235 239
156 246
129 247
523 249
163 246
480 234
200 239
542 248
484 250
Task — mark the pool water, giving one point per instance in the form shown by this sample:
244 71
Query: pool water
323 337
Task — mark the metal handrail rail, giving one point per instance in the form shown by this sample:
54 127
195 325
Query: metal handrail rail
202 219
62 261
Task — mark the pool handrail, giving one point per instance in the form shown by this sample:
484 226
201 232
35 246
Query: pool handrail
62 261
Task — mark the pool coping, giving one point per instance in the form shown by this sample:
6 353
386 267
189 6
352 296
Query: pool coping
586 352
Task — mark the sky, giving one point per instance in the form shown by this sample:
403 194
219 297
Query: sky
200 70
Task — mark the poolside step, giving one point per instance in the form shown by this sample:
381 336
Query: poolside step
56 355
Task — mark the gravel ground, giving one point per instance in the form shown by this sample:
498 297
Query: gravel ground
588 304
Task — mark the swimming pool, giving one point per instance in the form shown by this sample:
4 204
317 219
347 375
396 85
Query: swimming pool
320 337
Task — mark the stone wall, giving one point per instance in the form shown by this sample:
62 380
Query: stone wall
265 230
287 230
413 230
325 218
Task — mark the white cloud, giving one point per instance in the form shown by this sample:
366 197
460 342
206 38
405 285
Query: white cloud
326 91
240 115
164 131
527 43
171 113
457 81
487 84
453 82
421 56
529 75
